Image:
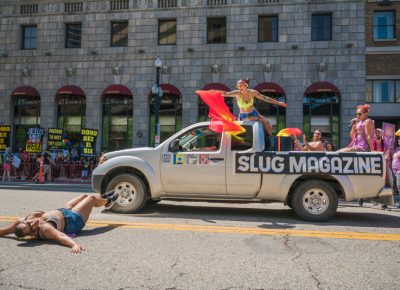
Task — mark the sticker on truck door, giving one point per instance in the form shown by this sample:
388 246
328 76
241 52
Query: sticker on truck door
300 163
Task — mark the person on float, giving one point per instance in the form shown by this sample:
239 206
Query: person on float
396 165
362 132
245 101
315 145
62 224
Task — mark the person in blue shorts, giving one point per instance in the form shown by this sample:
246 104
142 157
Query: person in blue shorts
62 224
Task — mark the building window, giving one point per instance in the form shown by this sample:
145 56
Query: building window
167 31
321 27
26 115
216 2
117 122
119 33
321 111
71 112
29 37
267 28
384 25
73 33
170 116
383 91
216 30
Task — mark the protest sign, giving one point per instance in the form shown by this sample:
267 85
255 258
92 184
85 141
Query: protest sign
388 135
55 140
4 137
89 137
34 140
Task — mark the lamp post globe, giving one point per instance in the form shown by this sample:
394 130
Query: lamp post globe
156 90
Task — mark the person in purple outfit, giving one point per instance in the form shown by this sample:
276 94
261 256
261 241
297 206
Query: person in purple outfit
396 165
362 132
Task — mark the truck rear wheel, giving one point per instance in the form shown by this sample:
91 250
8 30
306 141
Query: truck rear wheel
132 193
315 201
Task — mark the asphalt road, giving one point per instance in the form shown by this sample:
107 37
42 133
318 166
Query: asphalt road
203 246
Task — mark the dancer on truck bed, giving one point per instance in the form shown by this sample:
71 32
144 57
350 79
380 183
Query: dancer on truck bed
245 101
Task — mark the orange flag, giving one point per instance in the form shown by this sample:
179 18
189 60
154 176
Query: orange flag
222 120
287 132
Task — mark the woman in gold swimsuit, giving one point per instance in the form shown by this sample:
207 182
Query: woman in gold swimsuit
245 100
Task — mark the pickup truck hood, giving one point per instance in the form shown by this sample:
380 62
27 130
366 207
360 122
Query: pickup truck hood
142 153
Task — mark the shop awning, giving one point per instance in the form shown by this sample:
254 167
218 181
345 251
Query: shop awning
269 87
116 90
216 86
25 91
170 89
71 90
321 87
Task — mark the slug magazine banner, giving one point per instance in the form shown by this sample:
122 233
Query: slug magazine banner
299 163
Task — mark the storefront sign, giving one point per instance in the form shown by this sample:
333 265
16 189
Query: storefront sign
54 140
89 137
300 163
34 140
4 137
388 135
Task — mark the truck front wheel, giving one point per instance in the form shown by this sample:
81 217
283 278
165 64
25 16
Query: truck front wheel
132 193
315 201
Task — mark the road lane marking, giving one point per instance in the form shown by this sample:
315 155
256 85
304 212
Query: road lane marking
238 230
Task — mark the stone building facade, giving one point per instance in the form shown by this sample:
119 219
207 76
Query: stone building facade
298 64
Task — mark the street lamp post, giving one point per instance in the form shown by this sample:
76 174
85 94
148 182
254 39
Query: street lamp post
157 93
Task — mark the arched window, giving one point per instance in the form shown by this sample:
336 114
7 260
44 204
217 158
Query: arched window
170 113
321 110
26 113
117 118
276 115
203 108
71 113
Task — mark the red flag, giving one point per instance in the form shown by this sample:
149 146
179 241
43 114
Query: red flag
222 120
289 131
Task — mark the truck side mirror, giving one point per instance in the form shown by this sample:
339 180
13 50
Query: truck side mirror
174 146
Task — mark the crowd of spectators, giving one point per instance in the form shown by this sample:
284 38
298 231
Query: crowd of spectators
63 164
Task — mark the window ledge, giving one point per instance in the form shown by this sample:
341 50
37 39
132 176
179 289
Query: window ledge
383 40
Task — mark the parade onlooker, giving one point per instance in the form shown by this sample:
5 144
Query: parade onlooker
85 169
396 165
329 146
378 144
7 162
315 145
47 162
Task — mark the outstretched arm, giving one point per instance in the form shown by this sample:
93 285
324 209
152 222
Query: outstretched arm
268 99
8 230
231 94
50 233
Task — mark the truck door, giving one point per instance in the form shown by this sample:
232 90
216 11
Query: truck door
194 163
246 185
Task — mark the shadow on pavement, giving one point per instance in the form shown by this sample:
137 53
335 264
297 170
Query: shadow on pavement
276 218
97 231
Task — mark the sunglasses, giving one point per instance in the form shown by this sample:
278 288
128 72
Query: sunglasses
359 114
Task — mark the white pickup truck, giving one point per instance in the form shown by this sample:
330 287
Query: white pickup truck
198 164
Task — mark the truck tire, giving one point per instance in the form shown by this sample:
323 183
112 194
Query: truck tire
132 193
315 201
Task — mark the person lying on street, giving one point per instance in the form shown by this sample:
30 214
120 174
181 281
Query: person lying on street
61 224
